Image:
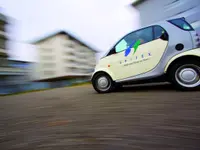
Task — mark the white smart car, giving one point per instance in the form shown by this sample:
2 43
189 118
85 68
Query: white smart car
165 51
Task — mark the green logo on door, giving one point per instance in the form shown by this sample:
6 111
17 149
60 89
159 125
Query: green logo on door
134 45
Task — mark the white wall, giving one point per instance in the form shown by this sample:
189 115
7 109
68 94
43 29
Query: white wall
155 10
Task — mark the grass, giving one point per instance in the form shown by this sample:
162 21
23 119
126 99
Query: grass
80 84
25 92
74 85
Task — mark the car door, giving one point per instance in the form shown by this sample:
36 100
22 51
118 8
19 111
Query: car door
139 52
113 62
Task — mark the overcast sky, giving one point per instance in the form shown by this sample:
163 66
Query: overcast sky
99 23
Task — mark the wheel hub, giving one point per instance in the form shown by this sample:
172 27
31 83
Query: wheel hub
188 75
103 82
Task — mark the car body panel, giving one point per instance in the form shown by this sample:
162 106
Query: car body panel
106 70
145 59
193 52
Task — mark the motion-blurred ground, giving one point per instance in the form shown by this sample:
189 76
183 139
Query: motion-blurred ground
150 118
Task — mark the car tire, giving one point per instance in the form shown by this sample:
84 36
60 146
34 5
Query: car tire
102 83
185 75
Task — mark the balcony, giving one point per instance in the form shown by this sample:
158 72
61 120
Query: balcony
72 65
72 57
3 51
47 58
3 33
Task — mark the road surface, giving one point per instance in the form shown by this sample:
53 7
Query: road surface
76 118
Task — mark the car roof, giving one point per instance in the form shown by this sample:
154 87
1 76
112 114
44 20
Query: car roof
153 24
162 22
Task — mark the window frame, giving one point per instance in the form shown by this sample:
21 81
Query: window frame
112 51
135 32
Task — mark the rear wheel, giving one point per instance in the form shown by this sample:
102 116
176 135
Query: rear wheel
186 75
102 83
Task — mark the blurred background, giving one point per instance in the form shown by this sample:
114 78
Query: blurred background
50 44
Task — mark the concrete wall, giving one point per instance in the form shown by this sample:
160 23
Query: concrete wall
155 10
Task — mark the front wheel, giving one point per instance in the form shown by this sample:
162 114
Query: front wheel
186 75
102 83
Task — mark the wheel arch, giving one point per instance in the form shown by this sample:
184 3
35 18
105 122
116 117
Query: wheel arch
181 58
101 71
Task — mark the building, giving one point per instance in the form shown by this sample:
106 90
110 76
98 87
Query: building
156 10
11 77
18 74
25 68
14 77
61 55
3 40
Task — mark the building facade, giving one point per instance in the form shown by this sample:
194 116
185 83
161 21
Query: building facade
152 11
3 40
62 55
14 77
24 67
11 76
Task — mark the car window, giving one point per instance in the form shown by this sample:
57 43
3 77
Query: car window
122 45
181 23
144 35
158 32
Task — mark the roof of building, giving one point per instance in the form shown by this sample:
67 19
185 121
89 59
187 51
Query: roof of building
19 61
67 34
137 2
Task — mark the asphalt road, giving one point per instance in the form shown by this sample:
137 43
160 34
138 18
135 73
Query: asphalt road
137 118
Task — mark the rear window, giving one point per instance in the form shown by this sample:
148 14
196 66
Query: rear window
182 24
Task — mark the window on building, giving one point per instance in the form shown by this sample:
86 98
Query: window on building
144 35
90 70
71 61
3 62
71 45
47 49
47 73
72 69
82 56
2 27
2 43
47 57
49 65
70 53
